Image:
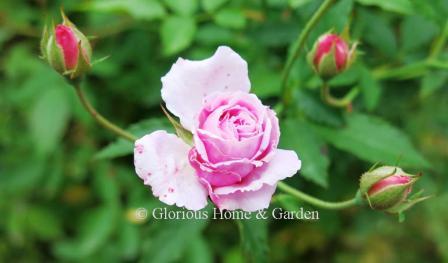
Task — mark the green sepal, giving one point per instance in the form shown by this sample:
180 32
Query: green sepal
327 65
82 65
183 133
352 55
54 54
44 41
389 196
406 204
370 178
310 57
99 60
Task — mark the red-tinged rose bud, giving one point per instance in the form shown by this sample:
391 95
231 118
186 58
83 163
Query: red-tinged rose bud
394 180
68 43
331 55
387 188
66 49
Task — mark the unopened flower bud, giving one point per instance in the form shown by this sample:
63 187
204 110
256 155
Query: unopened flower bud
386 187
331 55
66 49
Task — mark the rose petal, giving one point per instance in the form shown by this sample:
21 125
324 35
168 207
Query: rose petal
220 150
188 82
161 160
284 164
225 173
247 201
68 42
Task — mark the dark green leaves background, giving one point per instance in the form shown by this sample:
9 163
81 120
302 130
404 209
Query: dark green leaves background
68 191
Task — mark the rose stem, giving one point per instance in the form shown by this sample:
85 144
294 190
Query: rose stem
336 102
298 46
314 201
98 117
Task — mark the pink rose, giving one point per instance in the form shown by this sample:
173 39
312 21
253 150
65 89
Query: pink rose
234 159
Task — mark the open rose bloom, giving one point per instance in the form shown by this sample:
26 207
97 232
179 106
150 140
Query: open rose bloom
234 158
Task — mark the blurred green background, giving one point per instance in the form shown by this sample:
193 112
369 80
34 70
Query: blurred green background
68 191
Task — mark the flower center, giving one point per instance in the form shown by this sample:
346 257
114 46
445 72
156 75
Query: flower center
239 122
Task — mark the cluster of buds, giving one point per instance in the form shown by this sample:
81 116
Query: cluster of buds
66 49
331 55
387 188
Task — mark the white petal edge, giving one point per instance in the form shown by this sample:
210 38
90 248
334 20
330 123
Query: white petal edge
284 164
188 82
247 201
161 161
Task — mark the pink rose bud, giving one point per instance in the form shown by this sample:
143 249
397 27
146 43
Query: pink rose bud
387 188
66 49
68 43
331 55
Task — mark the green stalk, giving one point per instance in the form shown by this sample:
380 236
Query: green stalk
297 48
99 118
315 201
338 102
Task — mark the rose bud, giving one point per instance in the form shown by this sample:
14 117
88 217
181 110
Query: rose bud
387 187
331 55
66 49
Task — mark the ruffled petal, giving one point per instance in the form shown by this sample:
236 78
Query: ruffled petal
188 82
247 201
284 164
161 161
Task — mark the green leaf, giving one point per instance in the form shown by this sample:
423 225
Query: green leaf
254 239
129 240
183 133
177 34
231 18
287 201
371 89
198 251
374 140
379 34
172 239
48 119
212 5
265 80
96 225
122 147
433 81
435 10
298 3
400 6
297 135
138 9
185 8
44 222
416 32
316 111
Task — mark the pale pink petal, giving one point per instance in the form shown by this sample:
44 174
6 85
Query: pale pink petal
161 160
248 201
188 82
284 164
